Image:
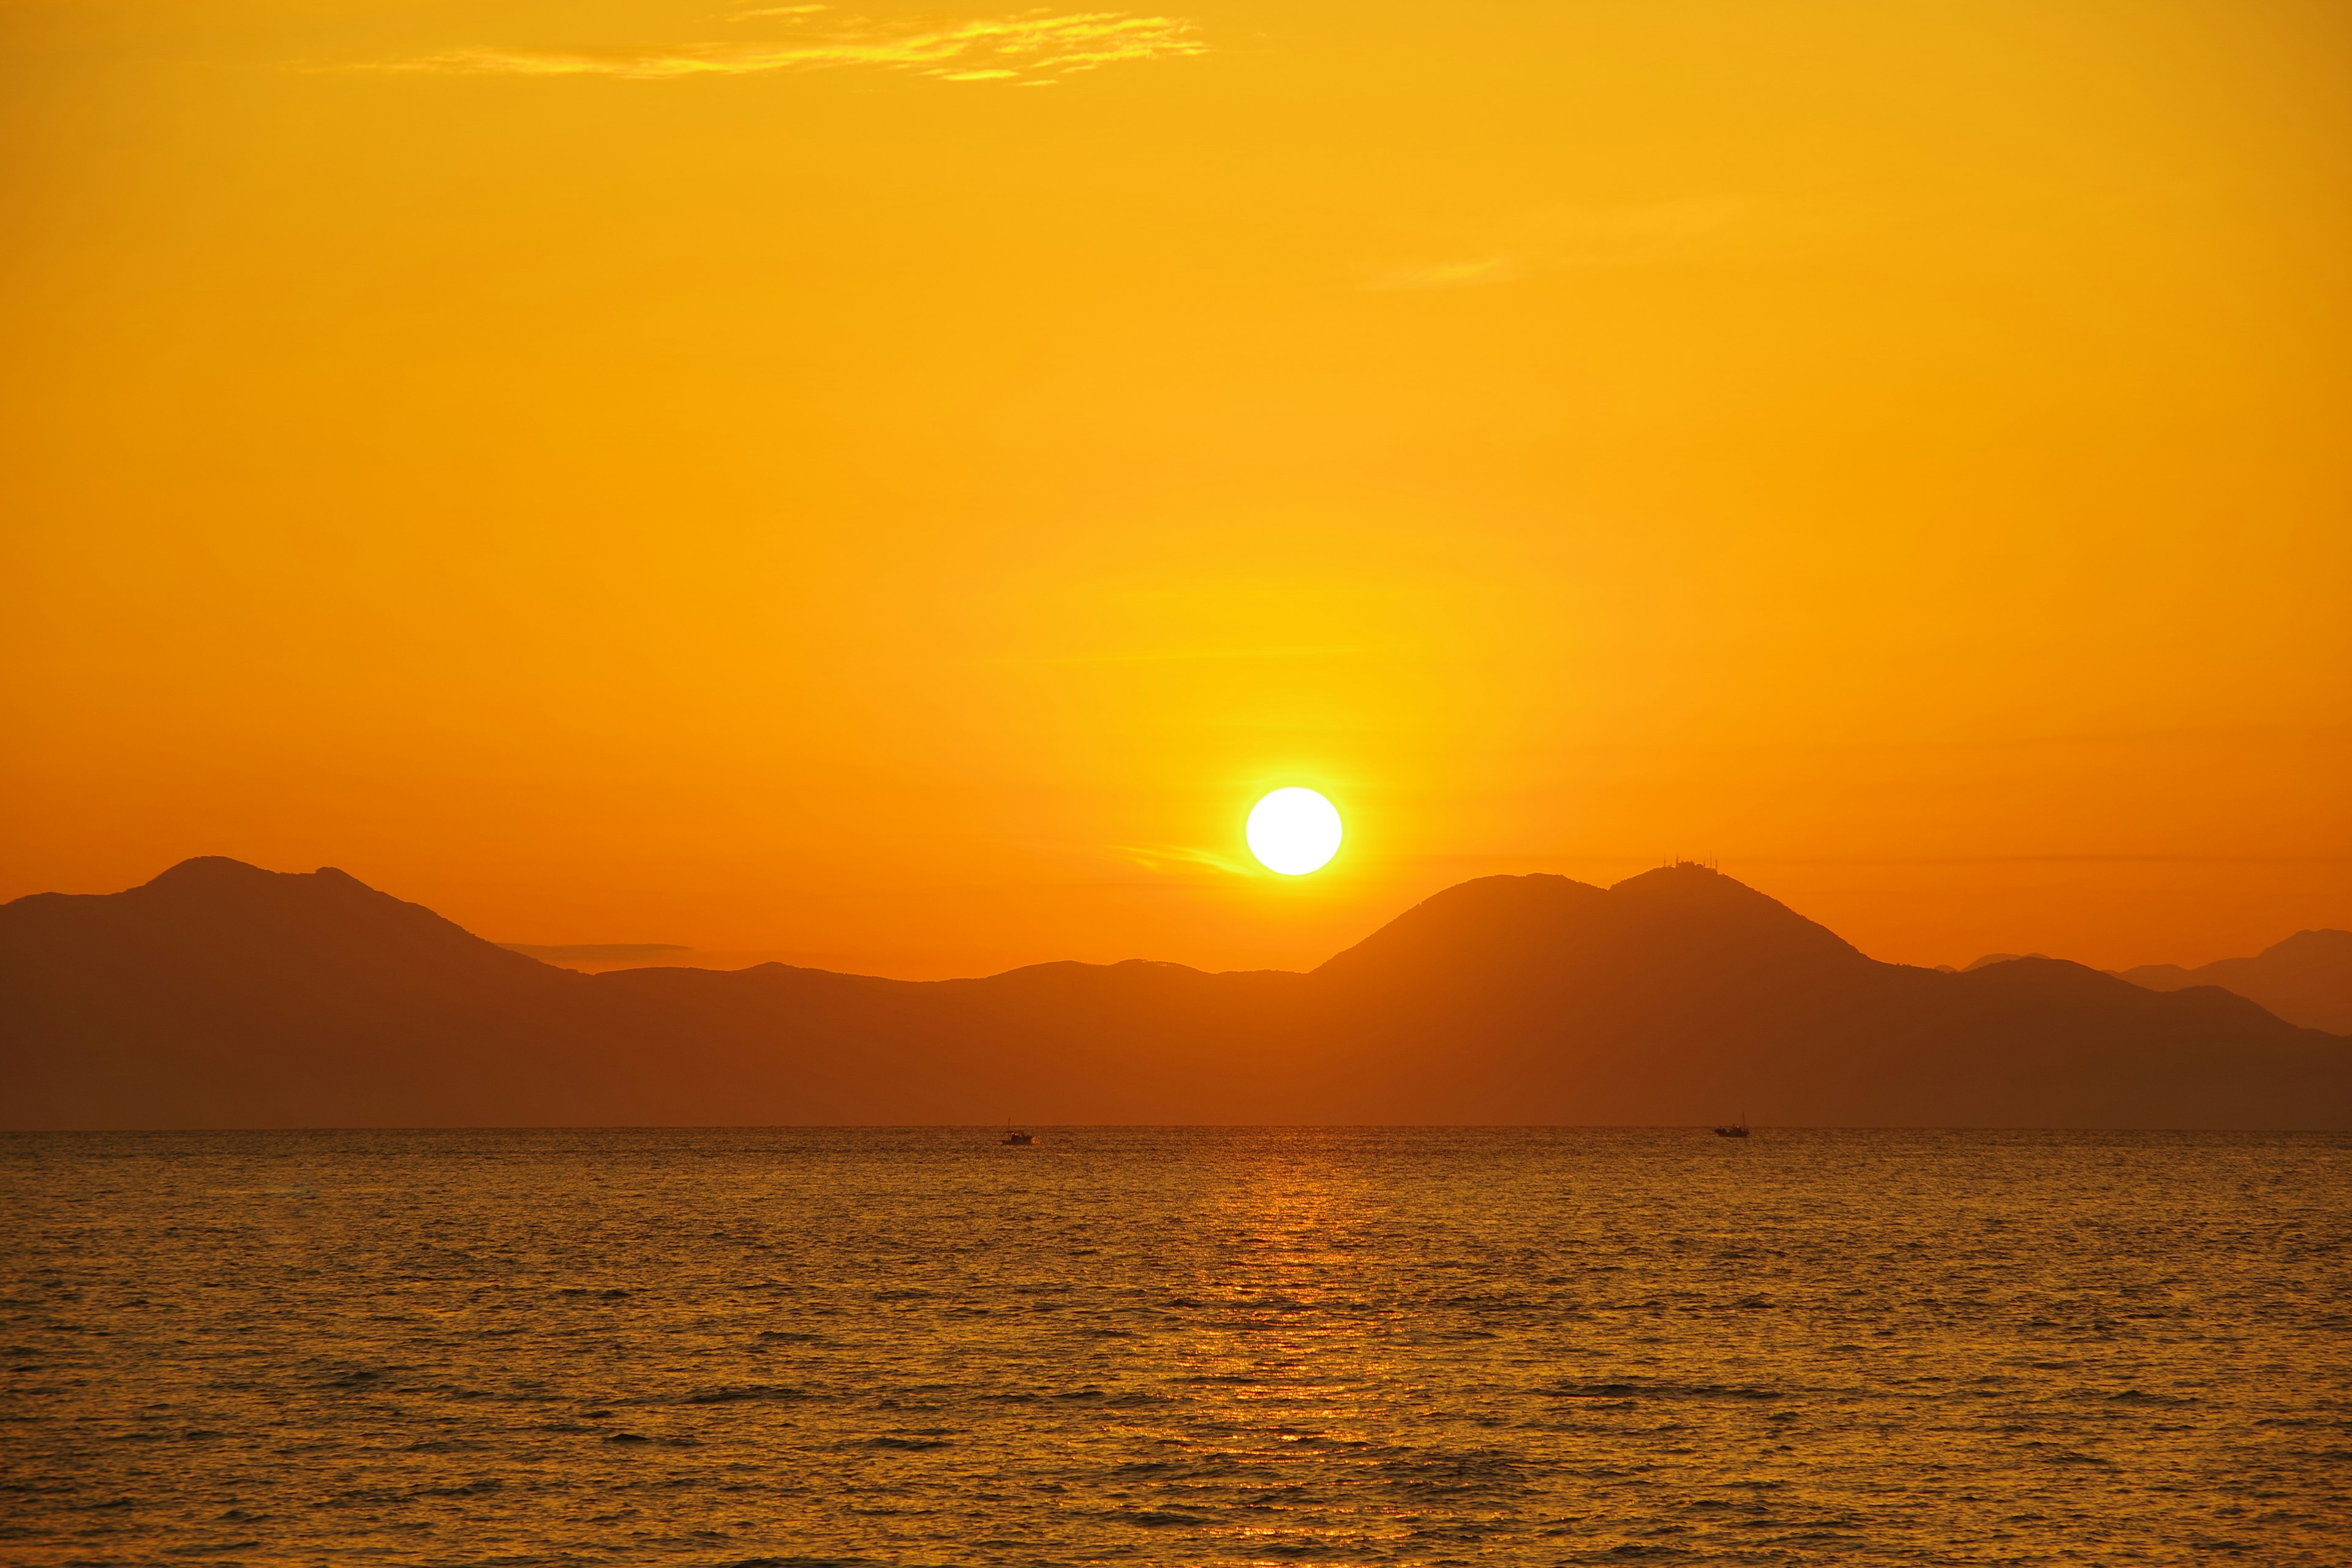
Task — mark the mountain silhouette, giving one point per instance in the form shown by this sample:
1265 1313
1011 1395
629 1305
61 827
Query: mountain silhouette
599 953
220 995
2306 979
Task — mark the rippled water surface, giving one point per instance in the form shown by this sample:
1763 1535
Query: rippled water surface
1195 1346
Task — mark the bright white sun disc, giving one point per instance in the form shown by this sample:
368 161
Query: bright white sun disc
1294 831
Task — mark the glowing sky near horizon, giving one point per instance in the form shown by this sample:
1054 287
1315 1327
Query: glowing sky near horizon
888 489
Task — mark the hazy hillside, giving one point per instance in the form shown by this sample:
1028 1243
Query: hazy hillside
2306 979
220 995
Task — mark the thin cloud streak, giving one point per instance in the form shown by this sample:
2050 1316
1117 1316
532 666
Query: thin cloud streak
1165 858
1031 50
1559 239
1192 656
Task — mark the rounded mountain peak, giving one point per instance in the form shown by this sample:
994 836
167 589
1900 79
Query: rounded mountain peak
1702 903
208 871
1474 924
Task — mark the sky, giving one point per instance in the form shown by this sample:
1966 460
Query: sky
888 488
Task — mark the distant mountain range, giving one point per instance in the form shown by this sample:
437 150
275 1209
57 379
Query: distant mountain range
2306 979
223 996
602 954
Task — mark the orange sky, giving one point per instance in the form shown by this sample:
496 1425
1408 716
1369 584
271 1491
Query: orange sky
660 472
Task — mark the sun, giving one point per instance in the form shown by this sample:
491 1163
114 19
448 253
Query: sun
1294 831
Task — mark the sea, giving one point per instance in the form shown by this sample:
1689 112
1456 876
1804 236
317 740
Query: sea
1175 1346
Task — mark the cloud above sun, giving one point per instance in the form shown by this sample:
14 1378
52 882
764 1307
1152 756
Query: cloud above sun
1031 50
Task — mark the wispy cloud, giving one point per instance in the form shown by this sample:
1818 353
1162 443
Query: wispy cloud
1559 239
1178 858
1197 655
1033 48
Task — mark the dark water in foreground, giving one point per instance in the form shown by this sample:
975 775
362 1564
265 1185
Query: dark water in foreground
1203 1346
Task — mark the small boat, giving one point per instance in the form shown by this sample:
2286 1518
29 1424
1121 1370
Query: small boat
1737 1130
1022 1139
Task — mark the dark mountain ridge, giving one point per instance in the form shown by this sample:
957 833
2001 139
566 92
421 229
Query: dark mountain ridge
220 995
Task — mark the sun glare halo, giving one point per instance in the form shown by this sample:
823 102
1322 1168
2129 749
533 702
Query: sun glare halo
1294 831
